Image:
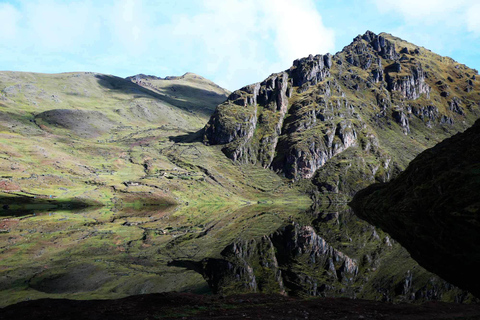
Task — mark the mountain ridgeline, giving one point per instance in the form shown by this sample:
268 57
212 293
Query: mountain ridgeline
350 119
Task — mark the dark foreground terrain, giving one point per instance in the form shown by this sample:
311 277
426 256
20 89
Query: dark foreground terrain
432 208
251 306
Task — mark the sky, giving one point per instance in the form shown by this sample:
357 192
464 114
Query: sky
231 42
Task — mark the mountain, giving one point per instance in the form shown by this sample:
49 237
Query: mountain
432 208
348 120
127 145
102 138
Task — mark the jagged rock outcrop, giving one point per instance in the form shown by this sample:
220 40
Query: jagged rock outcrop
400 117
310 71
385 48
432 208
380 97
237 120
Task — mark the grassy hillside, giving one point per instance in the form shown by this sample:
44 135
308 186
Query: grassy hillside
434 202
104 138
190 91
135 149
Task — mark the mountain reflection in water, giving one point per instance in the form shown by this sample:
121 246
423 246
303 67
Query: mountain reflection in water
290 249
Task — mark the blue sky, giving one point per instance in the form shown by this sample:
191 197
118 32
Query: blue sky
232 42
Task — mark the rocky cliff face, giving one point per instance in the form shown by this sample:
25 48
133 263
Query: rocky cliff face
335 255
381 99
435 203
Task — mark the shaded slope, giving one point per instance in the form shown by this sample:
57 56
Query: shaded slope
432 208
381 99
121 101
82 123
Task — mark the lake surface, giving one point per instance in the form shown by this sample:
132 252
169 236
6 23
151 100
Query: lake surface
213 248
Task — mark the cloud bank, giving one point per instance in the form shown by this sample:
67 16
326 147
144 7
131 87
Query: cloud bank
232 42
457 13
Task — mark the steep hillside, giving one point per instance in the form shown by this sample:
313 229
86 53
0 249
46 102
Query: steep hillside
350 119
77 139
432 208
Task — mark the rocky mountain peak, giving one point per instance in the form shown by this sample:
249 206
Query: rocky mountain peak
350 114
385 48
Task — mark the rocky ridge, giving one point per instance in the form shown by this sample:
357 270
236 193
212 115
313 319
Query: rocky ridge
377 96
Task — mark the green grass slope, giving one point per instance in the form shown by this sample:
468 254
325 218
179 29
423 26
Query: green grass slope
432 208
104 138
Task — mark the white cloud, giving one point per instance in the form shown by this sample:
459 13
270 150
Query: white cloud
10 17
450 13
473 19
233 42
129 21
427 10
245 41
59 26
298 27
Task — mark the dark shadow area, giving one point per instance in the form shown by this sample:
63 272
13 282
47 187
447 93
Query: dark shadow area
176 305
188 137
22 205
187 264
184 97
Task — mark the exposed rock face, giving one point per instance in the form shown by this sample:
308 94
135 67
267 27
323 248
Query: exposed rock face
432 208
411 86
311 70
377 88
385 48
237 119
402 120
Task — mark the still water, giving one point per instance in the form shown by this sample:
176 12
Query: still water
210 249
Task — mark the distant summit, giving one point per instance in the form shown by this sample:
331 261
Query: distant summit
187 75
189 87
